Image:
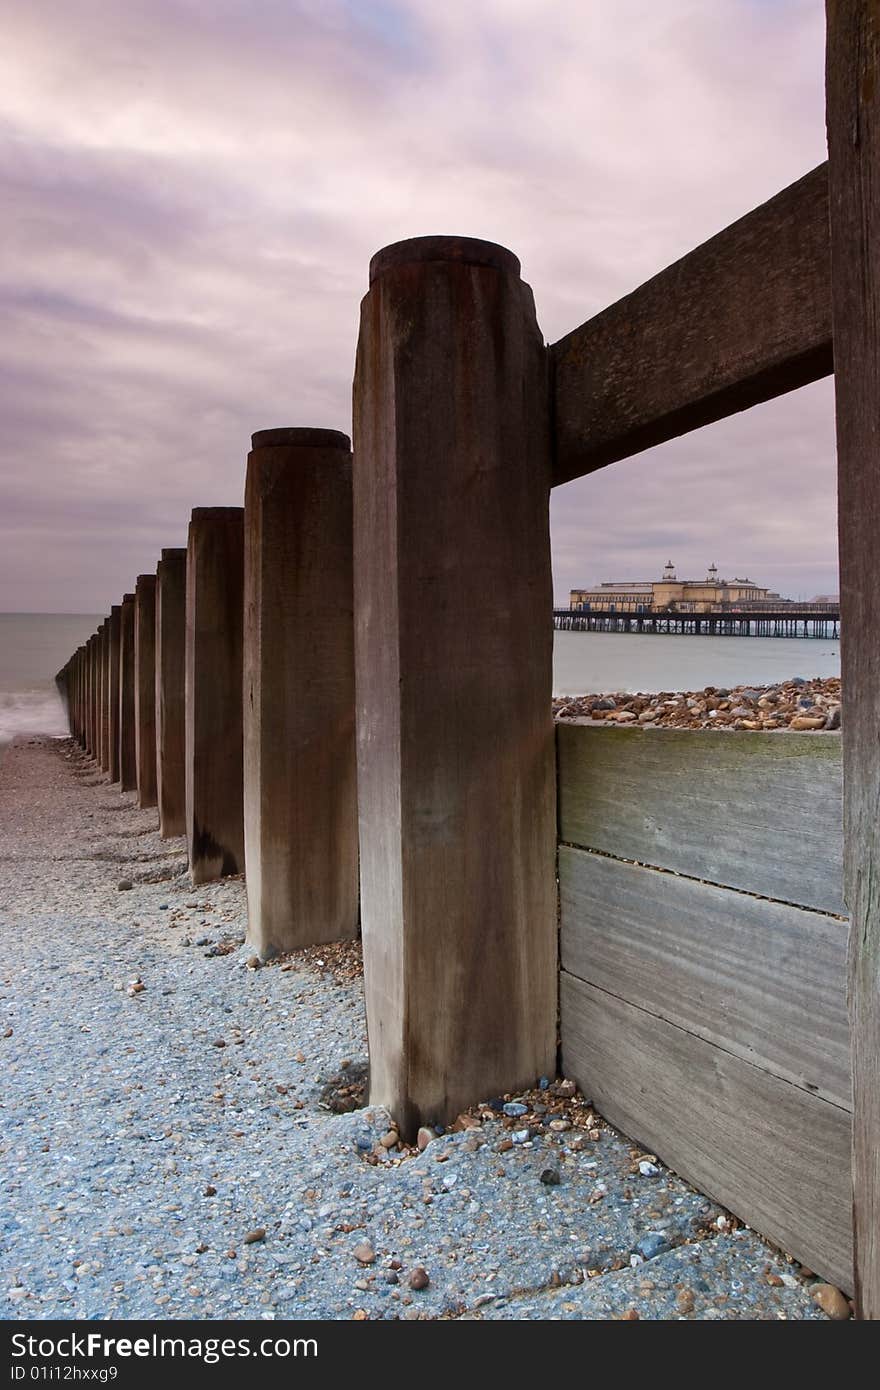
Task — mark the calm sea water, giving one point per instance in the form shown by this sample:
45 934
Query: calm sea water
589 662
33 646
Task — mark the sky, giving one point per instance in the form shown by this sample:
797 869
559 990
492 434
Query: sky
192 191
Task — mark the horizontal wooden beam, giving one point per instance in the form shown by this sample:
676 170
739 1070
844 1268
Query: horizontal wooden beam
743 318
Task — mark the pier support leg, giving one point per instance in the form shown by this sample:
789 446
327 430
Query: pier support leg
454 679
145 687
170 687
300 783
127 758
214 612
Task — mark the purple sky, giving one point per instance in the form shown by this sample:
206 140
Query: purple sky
192 190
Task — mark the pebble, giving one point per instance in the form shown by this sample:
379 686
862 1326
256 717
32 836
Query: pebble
253 1237
419 1278
515 1108
424 1138
648 1170
550 1177
831 1301
364 1253
651 1245
125 885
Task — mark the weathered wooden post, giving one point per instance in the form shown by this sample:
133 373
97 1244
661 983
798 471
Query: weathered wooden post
113 689
93 696
127 756
453 643
104 693
214 620
170 689
145 687
300 782
853 116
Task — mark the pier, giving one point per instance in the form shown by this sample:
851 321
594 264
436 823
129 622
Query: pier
806 620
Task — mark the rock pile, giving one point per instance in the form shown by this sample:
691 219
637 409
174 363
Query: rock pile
803 705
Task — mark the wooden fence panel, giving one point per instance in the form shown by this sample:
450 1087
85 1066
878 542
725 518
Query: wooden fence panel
757 811
762 980
770 1152
703 1000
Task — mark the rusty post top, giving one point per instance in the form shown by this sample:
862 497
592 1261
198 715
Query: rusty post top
464 250
128 598
177 552
300 438
114 609
144 581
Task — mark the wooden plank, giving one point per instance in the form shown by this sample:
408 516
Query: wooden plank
743 318
763 980
757 811
774 1155
853 100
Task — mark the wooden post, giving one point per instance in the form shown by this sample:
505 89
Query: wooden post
127 758
104 674
214 621
453 643
145 687
170 688
853 115
93 696
113 689
300 783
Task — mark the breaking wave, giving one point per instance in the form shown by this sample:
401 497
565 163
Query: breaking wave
31 712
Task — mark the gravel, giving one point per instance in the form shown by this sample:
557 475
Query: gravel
150 1173
806 706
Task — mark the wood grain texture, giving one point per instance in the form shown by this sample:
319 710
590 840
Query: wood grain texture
300 759
743 318
774 1155
456 785
763 980
755 811
853 114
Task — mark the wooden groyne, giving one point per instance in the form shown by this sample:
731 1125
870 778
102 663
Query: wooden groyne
463 421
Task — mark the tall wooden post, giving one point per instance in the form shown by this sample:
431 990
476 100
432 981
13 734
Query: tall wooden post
145 687
453 642
93 696
300 783
214 620
104 693
127 758
113 689
853 114
170 690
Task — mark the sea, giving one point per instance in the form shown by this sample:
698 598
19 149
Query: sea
34 646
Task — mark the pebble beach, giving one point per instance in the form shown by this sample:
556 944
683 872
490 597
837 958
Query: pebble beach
805 706
185 1132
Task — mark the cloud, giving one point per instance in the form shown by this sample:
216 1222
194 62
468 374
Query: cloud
194 192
